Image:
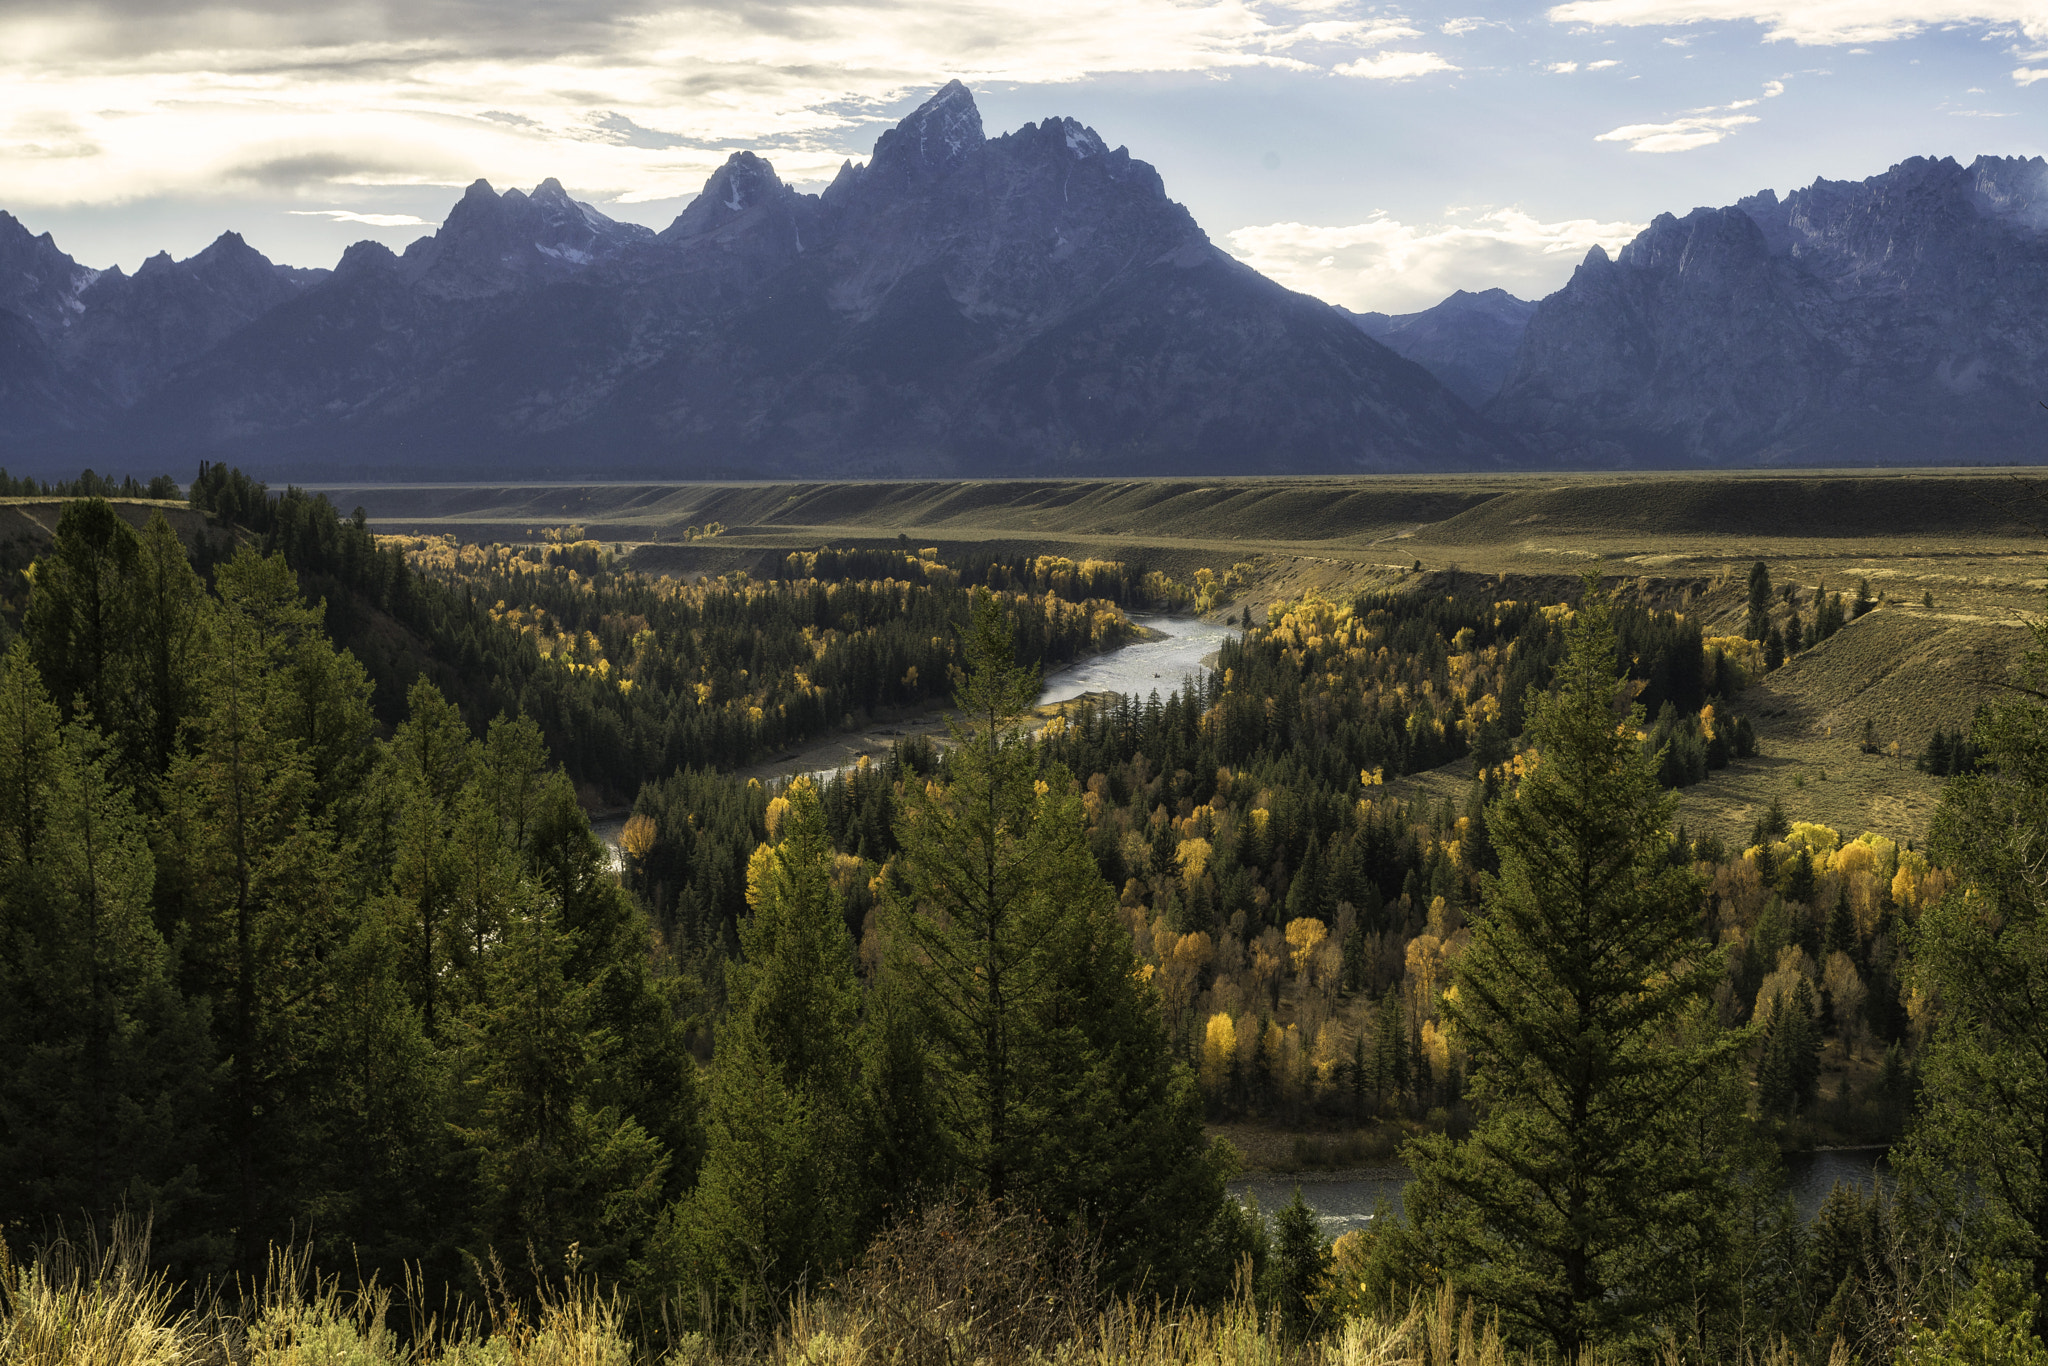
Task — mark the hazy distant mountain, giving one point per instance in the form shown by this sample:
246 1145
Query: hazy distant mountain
957 305
1900 319
1468 341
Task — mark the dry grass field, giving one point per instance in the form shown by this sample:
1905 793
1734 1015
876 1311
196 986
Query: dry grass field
1970 539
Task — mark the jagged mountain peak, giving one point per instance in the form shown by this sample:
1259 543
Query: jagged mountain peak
2012 187
745 182
229 249
37 280
1082 140
490 242
365 257
1496 298
1692 242
933 138
842 184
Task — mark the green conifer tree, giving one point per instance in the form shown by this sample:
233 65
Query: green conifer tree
1803 1045
1566 1204
1759 601
247 875
431 762
1051 1065
779 1201
105 1071
1842 933
166 613
1980 1140
562 1179
1298 1263
1774 1093
81 615
377 1195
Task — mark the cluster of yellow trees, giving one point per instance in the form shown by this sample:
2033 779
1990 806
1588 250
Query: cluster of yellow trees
1273 1003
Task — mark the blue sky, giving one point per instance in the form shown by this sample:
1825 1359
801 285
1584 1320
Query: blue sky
1376 155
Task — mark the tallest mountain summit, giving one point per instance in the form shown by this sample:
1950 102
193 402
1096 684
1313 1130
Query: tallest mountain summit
959 305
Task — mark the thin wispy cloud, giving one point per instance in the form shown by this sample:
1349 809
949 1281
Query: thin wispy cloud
1697 128
374 220
1814 22
1395 66
614 97
1677 135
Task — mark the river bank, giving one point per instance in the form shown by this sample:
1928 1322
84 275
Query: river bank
1348 1200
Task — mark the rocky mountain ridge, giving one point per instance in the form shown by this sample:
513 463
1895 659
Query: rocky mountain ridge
1898 319
956 305
1033 304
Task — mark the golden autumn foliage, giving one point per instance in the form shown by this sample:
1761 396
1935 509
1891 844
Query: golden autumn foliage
1303 938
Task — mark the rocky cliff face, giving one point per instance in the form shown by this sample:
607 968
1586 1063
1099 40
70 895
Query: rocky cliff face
1468 341
1900 319
957 305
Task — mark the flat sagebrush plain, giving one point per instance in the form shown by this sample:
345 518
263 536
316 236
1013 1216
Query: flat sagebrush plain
1970 541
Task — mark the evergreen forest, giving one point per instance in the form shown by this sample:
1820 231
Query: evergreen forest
331 1032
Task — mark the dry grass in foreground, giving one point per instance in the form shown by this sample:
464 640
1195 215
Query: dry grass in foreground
909 1304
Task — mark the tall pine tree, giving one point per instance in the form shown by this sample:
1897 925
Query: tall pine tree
1980 1141
105 1071
1052 1070
247 878
779 1201
1568 1208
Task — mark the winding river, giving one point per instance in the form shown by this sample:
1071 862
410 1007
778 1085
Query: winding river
1181 648
1177 652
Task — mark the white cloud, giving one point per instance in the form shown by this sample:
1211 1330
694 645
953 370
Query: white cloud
375 220
1679 135
1699 127
1562 68
2027 75
1395 66
1602 65
1394 267
1809 22
1349 32
615 97
1459 27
